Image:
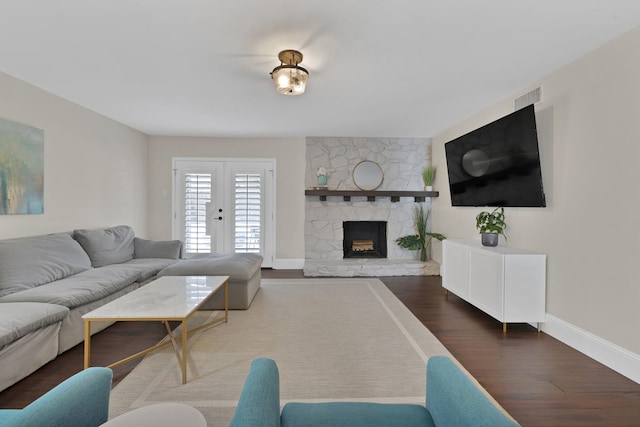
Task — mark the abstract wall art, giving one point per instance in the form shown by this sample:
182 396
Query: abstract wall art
21 169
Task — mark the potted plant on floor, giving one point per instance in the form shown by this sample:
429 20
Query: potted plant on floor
422 240
491 225
428 176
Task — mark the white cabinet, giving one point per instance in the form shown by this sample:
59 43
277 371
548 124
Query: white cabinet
507 283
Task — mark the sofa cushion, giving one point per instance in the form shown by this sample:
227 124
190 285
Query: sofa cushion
79 289
107 246
21 318
236 266
355 414
148 267
168 249
91 285
32 261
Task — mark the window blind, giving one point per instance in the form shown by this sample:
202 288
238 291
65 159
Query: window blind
248 213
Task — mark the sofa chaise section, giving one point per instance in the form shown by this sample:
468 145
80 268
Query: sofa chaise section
243 271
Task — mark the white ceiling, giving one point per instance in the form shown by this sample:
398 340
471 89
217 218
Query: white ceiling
405 68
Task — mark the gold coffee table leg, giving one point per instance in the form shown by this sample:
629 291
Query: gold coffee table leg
87 344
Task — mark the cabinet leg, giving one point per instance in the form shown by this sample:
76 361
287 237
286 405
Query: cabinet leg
504 328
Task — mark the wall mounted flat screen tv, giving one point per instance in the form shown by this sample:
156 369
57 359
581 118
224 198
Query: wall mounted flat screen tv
497 164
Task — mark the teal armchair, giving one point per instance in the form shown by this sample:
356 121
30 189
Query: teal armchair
453 400
80 401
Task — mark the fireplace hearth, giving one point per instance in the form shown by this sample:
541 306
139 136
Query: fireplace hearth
365 239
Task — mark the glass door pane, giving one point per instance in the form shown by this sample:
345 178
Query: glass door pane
197 202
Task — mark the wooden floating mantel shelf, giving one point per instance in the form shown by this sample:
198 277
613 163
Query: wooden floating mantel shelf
418 196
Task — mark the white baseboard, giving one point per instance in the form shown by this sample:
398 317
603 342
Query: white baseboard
288 264
613 356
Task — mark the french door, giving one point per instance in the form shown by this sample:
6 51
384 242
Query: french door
225 206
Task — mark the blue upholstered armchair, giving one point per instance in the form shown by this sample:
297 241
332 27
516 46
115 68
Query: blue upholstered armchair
79 401
453 400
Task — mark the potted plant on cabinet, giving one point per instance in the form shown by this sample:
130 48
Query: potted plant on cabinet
428 176
422 240
491 225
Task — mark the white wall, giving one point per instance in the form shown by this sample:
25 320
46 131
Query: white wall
95 168
589 134
290 165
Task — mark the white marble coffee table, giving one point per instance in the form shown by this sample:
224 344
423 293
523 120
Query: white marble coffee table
168 298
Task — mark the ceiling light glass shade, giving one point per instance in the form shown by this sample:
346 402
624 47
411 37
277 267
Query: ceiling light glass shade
290 79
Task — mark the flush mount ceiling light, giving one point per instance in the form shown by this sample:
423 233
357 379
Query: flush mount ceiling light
290 78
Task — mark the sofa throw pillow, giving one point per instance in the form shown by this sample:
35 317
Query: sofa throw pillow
168 249
32 261
107 246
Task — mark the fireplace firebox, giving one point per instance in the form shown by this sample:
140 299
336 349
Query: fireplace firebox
365 239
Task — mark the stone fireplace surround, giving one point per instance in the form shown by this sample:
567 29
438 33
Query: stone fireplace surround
402 160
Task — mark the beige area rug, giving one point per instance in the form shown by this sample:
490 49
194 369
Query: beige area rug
333 340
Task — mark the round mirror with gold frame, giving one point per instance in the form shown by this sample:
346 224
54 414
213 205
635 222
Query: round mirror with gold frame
367 175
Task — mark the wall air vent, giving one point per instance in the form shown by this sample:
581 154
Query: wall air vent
528 98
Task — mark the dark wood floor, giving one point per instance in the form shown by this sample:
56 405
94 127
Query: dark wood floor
539 380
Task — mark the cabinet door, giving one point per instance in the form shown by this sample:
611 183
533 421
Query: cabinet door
486 279
455 263
525 288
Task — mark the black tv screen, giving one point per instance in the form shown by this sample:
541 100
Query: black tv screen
497 164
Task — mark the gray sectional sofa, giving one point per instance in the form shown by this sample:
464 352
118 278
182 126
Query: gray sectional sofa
48 282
